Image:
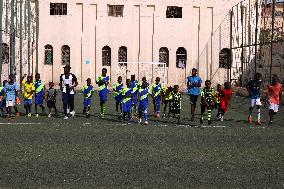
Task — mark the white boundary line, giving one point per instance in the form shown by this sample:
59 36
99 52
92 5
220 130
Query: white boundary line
20 123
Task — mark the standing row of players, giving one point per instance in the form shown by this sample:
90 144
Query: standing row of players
132 99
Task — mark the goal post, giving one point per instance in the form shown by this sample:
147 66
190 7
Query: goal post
150 70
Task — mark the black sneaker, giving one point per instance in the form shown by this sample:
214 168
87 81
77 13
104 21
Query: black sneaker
270 123
209 122
201 121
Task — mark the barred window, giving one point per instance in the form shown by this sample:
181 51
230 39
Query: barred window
48 54
181 57
65 54
164 55
5 53
115 10
58 8
225 58
122 55
106 56
174 12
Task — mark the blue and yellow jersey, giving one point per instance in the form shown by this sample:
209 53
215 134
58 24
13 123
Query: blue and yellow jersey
29 89
126 94
143 94
117 88
39 88
157 89
1 91
135 87
88 91
102 82
167 94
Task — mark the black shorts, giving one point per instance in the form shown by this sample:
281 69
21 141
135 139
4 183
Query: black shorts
50 104
193 99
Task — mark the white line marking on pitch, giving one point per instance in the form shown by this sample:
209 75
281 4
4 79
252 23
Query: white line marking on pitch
19 123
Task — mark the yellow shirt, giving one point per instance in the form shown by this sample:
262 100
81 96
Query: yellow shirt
29 89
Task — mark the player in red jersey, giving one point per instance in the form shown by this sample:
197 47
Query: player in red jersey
225 97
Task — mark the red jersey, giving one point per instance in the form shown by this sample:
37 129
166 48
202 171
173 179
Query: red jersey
225 96
274 93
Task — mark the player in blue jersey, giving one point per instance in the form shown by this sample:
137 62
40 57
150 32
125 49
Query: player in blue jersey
103 81
143 102
157 97
127 96
134 88
117 88
39 93
88 91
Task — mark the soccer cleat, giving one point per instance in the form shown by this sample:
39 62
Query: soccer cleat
18 114
102 116
146 123
49 115
164 115
72 113
65 117
222 119
258 122
29 115
158 115
270 123
36 115
129 123
87 114
250 120
139 121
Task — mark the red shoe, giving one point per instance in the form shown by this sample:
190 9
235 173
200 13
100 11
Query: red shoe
250 120
258 123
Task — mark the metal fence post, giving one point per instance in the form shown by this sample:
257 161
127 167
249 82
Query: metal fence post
271 42
1 12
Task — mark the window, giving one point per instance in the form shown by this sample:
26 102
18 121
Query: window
5 53
122 55
181 57
115 10
174 12
106 56
58 8
48 55
65 54
164 55
225 59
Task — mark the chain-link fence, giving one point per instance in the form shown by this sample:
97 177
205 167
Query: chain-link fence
18 37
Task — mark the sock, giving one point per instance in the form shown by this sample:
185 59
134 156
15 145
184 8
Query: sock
258 114
209 115
250 111
146 116
84 110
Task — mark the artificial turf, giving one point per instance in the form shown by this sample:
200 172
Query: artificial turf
94 153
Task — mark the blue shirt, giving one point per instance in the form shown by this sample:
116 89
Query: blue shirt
194 90
134 87
144 93
254 87
37 85
10 91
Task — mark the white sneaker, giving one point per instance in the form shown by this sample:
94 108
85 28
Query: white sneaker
36 115
68 110
66 117
72 113
146 123
139 121
49 115
222 118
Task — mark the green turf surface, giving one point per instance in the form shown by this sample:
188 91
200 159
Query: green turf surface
95 153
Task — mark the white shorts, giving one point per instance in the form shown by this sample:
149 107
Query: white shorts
255 102
274 107
10 103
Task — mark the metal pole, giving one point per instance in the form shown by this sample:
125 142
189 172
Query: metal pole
37 33
29 36
15 35
255 39
271 42
6 19
242 56
229 73
21 38
12 37
1 6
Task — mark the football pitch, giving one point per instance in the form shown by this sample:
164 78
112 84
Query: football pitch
94 153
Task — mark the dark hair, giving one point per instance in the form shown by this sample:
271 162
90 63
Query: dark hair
207 81
104 69
176 86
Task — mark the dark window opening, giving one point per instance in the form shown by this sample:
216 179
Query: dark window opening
5 53
115 10
48 55
164 55
174 12
65 54
106 56
225 58
181 58
58 8
122 55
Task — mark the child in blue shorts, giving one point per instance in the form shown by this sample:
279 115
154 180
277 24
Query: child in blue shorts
39 93
143 102
117 88
103 82
29 90
127 100
88 91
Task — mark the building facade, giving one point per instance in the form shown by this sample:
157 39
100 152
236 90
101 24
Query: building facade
94 34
